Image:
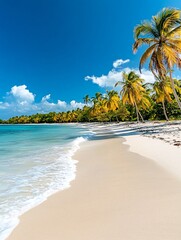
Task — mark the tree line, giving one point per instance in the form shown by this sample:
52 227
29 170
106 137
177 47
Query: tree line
137 101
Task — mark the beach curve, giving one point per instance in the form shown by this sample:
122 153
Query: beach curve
117 194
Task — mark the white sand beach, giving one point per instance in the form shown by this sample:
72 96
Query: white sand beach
128 186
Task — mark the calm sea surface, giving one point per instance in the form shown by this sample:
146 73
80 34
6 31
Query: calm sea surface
35 162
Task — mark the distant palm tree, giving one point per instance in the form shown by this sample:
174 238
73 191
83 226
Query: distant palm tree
163 35
112 100
163 93
132 91
98 96
97 102
86 99
177 84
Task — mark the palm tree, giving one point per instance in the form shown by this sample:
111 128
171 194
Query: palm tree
162 34
98 108
86 99
97 102
73 116
177 84
86 113
98 96
132 91
163 93
111 101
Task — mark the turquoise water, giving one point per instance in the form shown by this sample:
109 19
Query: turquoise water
35 162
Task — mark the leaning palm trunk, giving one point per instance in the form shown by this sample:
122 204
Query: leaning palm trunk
109 118
174 91
138 114
164 110
137 111
117 119
141 116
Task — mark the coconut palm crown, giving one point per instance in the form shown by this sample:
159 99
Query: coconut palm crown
163 35
86 99
163 93
112 100
133 92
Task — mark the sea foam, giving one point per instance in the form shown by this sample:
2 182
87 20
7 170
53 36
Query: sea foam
45 173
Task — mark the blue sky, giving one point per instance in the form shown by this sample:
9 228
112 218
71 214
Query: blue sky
53 53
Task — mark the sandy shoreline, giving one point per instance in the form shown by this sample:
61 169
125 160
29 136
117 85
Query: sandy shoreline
117 194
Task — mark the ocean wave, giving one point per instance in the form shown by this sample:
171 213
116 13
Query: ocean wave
49 172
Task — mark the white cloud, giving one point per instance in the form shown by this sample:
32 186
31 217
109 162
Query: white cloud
45 98
146 75
46 106
4 105
120 62
21 101
22 94
108 80
62 104
115 75
75 104
102 81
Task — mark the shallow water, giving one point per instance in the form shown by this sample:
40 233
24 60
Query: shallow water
35 162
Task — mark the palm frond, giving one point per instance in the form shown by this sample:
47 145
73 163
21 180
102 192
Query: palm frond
118 83
146 55
140 41
175 45
174 32
171 18
166 19
170 55
146 28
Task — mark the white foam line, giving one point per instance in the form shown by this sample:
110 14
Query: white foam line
10 225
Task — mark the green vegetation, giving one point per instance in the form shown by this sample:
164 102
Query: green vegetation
134 93
137 100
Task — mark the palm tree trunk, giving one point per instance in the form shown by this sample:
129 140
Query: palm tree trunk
141 116
164 110
117 119
137 115
174 91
